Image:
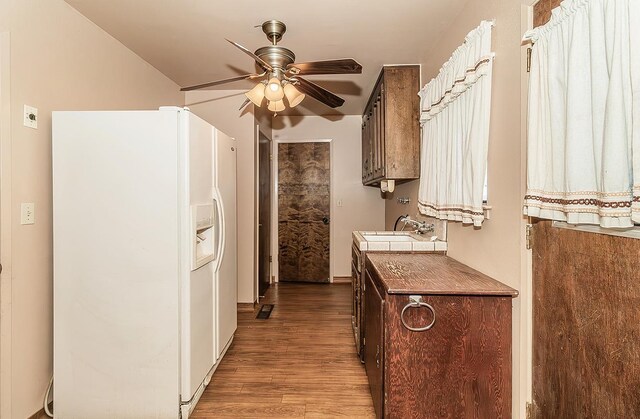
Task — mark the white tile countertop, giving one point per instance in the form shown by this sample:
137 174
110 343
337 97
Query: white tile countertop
414 243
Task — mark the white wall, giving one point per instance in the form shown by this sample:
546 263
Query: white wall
498 248
220 108
59 60
362 209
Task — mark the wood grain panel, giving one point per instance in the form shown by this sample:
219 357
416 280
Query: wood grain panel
404 273
460 368
374 350
542 11
402 122
303 202
300 363
586 324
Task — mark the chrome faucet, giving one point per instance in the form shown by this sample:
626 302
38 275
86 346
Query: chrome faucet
421 227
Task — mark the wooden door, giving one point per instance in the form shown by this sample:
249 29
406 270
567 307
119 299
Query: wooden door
374 344
264 214
303 211
586 324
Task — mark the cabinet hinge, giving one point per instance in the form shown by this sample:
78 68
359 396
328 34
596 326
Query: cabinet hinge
529 236
271 157
529 51
270 258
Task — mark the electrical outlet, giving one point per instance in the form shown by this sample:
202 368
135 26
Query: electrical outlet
30 117
27 213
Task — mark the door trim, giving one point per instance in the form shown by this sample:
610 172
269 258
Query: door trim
274 203
5 226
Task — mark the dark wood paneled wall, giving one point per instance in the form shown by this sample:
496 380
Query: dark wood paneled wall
586 324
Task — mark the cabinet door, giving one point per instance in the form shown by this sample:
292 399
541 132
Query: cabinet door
373 343
355 304
460 368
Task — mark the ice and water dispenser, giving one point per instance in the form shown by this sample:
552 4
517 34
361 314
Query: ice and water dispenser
202 235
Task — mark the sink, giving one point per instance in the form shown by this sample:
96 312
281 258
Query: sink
389 238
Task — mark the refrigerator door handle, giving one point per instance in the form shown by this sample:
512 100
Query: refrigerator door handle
221 231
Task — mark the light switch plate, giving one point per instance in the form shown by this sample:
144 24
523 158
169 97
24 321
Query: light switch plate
30 117
27 213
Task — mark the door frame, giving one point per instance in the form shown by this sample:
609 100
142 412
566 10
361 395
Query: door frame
269 266
274 203
5 226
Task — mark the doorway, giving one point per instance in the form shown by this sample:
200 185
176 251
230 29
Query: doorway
304 203
264 214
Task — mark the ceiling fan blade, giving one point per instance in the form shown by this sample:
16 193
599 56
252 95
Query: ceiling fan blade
319 93
259 60
344 66
245 103
217 82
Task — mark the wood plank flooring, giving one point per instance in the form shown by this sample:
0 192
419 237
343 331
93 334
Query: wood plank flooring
300 363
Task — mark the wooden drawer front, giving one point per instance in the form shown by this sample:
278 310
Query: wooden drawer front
460 368
374 343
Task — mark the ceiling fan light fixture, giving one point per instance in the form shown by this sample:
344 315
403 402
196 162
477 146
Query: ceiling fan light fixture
256 95
294 96
274 91
276 106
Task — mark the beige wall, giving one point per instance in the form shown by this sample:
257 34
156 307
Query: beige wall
498 248
362 207
220 108
59 61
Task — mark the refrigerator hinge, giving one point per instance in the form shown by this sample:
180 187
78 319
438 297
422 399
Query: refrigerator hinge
529 236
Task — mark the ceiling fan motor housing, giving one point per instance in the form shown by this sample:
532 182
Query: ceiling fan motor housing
278 57
274 29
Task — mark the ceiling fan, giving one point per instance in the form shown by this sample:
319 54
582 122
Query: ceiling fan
281 75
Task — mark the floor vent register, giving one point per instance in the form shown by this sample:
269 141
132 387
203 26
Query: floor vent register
265 311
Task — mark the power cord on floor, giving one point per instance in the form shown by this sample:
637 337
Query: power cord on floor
46 399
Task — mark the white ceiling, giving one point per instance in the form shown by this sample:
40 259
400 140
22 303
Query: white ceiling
184 39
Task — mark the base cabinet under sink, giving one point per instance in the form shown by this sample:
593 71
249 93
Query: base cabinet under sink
458 368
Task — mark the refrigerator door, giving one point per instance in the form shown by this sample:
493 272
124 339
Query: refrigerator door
226 276
197 291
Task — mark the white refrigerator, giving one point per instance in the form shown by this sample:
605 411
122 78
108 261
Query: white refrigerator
145 272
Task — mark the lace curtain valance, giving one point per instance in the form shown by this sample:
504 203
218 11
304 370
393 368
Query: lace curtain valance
584 115
455 135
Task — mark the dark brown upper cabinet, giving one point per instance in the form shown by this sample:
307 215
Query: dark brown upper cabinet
391 127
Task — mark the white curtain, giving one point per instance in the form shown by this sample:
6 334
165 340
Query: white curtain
584 115
455 132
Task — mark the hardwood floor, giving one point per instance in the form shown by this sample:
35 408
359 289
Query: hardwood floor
300 363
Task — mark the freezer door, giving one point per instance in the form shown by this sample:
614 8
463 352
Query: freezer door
197 291
226 278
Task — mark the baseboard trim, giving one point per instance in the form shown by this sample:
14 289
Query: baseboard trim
341 279
246 307
40 413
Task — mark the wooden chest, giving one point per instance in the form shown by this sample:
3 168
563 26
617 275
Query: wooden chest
456 363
